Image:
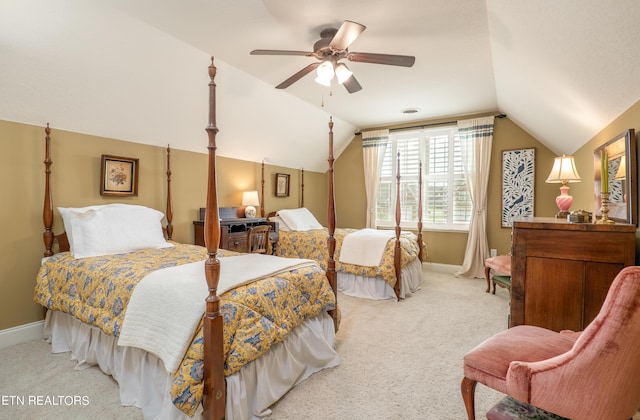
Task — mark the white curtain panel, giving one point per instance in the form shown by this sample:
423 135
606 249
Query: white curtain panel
374 145
476 137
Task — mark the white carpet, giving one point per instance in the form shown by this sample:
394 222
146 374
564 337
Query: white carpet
399 361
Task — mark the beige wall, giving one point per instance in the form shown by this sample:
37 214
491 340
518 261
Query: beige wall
583 192
448 247
75 182
315 191
75 179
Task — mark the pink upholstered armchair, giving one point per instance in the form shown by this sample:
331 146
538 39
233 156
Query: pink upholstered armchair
583 376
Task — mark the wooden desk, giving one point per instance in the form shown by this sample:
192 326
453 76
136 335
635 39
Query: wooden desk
233 233
561 272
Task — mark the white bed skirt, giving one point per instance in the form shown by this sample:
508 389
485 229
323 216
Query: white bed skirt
377 288
144 382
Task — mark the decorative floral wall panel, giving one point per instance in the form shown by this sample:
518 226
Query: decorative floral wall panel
518 184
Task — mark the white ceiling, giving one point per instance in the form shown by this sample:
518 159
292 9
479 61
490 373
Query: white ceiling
135 69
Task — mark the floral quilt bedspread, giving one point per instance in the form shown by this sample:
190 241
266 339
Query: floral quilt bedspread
97 290
312 244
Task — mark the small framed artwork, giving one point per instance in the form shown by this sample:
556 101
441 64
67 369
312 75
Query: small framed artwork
518 184
118 176
282 185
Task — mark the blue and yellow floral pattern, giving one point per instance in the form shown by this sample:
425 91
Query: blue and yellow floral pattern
312 244
97 290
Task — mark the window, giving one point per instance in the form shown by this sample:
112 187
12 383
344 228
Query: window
446 204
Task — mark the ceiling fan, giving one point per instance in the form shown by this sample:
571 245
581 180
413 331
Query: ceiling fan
329 50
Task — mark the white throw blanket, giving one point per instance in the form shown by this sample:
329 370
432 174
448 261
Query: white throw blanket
166 305
365 247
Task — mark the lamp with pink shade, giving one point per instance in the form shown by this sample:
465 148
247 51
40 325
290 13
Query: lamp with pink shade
564 171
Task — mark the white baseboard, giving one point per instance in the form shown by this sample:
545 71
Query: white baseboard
21 334
441 268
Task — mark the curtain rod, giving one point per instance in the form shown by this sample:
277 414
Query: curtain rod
357 133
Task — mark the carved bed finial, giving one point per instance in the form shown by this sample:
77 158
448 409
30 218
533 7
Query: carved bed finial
331 227
262 192
214 397
397 253
420 243
169 212
47 212
302 187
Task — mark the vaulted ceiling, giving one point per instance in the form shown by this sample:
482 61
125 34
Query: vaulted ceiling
136 69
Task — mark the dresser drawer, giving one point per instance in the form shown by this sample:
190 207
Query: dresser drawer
236 242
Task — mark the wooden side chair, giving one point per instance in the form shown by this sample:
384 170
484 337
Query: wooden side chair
498 270
258 240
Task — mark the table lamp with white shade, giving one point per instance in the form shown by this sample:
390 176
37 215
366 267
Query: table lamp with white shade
564 171
250 200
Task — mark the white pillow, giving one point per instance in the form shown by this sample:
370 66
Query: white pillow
299 219
65 212
114 229
281 224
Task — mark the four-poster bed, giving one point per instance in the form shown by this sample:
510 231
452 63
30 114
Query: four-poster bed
395 270
284 315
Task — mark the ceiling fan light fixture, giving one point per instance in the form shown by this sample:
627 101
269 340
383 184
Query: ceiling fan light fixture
323 81
343 73
325 73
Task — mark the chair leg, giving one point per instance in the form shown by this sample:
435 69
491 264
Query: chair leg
468 388
487 271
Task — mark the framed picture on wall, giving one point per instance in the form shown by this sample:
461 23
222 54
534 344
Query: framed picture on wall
518 184
118 176
282 185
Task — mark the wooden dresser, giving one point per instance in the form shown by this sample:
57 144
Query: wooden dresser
561 272
233 230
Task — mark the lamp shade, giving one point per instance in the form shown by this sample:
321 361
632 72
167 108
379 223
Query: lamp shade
324 82
325 73
621 173
563 171
342 73
250 198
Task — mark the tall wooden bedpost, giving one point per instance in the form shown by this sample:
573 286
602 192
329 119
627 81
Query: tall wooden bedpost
302 188
214 385
397 253
169 212
262 192
420 256
47 211
331 227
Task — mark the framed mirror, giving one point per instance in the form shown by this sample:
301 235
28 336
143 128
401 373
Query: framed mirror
621 174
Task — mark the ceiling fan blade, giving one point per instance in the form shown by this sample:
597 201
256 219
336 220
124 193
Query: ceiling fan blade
281 52
299 75
352 85
347 33
390 59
